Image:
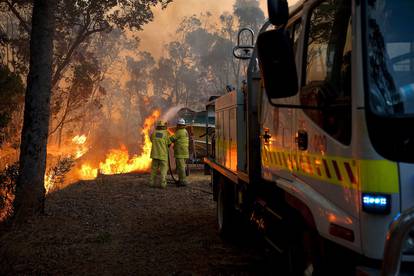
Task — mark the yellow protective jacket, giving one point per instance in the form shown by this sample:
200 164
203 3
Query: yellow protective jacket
160 139
181 142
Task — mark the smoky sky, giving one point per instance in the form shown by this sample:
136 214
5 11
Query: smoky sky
162 30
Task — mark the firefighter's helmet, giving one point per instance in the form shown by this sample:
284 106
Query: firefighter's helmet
181 122
161 124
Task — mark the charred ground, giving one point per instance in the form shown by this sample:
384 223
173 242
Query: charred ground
119 225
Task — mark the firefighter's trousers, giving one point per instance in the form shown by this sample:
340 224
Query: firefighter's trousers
162 167
181 169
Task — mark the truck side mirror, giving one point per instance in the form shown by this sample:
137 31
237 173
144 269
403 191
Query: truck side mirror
277 64
244 51
278 12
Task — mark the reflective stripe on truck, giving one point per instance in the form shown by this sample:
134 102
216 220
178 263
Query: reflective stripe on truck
375 176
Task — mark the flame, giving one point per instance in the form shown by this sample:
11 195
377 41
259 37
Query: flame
118 161
74 151
48 182
88 172
79 139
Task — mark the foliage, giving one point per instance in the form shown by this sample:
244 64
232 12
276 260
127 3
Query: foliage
249 14
80 19
8 179
11 95
81 26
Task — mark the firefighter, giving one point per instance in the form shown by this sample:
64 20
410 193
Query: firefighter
181 154
160 139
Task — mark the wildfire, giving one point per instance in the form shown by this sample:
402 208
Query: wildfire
118 161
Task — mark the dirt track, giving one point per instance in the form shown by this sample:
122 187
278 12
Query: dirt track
117 225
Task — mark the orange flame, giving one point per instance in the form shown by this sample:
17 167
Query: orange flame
88 173
48 182
118 161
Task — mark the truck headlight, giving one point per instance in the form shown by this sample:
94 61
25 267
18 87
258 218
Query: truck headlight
376 203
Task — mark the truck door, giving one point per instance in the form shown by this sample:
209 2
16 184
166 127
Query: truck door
277 127
323 125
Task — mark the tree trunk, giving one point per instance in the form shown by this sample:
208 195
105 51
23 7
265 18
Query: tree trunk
30 190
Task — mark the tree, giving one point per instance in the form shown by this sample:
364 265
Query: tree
138 84
162 76
249 14
77 23
30 190
86 73
78 20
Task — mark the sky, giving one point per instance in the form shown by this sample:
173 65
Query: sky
161 31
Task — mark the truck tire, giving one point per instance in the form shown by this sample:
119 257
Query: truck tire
226 214
308 258
310 255
300 255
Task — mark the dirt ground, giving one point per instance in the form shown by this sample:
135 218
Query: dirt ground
117 225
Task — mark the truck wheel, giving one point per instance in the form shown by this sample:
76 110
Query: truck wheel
302 252
311 255
225 213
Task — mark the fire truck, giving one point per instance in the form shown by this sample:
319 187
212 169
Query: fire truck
317 147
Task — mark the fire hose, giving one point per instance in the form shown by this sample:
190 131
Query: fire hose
169 167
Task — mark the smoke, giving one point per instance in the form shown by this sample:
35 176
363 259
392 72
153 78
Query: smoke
168 116
162 30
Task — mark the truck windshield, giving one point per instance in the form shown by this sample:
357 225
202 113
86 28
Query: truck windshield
390 57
